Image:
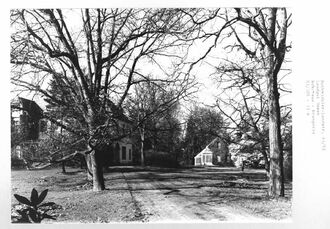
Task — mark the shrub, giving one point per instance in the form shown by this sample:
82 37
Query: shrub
33 210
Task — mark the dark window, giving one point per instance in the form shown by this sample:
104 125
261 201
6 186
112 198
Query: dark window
129 154
123 153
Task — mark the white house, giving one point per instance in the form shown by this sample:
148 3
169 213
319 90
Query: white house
215 153
205 157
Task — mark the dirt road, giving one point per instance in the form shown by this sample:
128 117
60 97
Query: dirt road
150 194
194 195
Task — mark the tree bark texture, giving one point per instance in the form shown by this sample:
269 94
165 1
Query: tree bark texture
276 182
95 164
142 147
276 187
97 170
89 168
63 167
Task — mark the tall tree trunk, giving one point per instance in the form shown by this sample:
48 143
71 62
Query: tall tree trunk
276 186
63 162
63 167
94 158
276 180
89 168
97 170
142 146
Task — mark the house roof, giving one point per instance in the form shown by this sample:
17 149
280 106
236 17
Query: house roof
213 141
207 147
27 105
117 112
206 150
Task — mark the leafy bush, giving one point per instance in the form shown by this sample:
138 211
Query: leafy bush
33 210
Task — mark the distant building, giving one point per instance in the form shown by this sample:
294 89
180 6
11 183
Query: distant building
121 151
215 153
28 123
26 116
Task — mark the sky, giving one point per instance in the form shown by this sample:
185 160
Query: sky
208 88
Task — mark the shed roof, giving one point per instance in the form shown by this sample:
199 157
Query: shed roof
27 105
206 150
117 112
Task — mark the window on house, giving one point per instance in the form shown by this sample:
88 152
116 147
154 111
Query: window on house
198 160
123 153
19 152
129 154
208 159
219 145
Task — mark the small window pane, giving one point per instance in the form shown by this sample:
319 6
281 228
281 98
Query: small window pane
208 158
198 160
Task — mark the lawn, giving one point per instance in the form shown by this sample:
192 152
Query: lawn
136 194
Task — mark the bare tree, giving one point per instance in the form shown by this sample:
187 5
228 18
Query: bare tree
269 27
97 56
261 33
243 101
150 104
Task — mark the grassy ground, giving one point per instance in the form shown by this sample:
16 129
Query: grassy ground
156 194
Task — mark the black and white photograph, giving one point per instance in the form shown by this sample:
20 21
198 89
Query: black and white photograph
140 115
